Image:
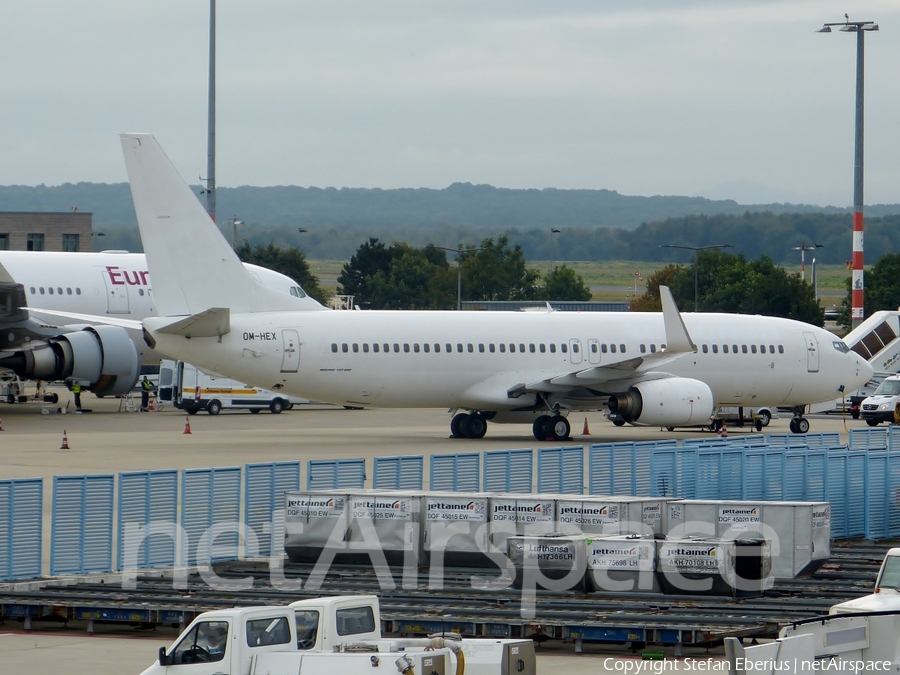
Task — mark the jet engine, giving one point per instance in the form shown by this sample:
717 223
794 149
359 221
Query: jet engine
669 402
103 355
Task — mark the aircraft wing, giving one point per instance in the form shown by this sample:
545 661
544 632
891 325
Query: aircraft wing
130 324
678 343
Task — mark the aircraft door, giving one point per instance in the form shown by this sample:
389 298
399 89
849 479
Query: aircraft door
812 352
290 361
593 351
575 355
116 296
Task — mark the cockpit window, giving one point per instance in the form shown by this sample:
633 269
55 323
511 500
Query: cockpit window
298 292
841 346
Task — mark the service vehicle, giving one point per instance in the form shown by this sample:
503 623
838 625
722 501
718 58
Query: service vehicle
859 635
329 635
190 389
880 406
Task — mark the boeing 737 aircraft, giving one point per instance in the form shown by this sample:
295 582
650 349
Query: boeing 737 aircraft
110 287
659 369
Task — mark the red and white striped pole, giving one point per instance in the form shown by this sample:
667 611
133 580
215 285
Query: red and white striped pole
857 280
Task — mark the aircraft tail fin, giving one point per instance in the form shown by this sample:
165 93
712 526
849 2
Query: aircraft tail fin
192 266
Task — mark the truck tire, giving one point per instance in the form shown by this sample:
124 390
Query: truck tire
276 406
214 407
764 417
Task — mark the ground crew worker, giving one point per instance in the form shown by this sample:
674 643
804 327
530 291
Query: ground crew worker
76 389
146 388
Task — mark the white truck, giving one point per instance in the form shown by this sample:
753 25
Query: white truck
192 390
328 636
857 636
880 406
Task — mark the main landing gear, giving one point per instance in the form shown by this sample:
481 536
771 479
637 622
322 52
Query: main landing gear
799 425
555 427
468 425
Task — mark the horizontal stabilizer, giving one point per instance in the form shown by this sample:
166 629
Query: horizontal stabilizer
213 322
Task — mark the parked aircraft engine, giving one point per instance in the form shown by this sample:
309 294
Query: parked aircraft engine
669 402
103 355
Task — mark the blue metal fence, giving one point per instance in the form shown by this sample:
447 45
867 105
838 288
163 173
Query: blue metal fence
21 528
264 491
509 470
82 524
331 474
457 473
405 472
147 518
561 470
210 514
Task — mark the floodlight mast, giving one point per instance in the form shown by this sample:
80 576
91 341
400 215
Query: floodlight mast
858 281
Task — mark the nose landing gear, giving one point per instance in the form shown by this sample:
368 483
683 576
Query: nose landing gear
799 425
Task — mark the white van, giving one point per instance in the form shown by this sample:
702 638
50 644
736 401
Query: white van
880 406
192 390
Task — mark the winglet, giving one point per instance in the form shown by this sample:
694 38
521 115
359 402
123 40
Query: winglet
677 337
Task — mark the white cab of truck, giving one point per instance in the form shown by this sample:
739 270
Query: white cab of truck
328 635
855 635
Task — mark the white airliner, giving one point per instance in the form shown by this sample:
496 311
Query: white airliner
111 287
659 369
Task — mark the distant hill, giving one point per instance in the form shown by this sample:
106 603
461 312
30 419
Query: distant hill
338 220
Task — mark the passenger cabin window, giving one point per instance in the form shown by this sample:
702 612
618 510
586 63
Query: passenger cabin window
622 348
752 349
543 348
643 349
267 632
492 348
652 349
355 348
705 349
307 628
355 620
345 347
552 348
366 347
612 348
563 348
502 348
715 349
724 349
334 347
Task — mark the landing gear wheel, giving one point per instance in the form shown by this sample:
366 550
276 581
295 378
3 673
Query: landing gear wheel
276 406
474 426
214 407
670 429
557 428
799 425
618 421
456 425
764 418
538 427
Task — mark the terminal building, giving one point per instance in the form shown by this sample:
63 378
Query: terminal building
50 231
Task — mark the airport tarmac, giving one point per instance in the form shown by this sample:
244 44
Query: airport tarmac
107 441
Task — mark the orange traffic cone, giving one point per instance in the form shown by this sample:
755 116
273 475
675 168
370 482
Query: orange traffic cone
585 431
187 425
65 443
723 431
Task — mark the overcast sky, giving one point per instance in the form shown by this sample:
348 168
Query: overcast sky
718 98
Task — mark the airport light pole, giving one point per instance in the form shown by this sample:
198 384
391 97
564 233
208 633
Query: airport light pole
858 285
211 119
696 250
803 248
234 225
458 251
553 231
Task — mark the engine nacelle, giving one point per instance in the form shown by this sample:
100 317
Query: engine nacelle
669 402
103 355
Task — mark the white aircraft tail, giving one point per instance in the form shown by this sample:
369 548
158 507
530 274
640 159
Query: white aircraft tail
192 266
